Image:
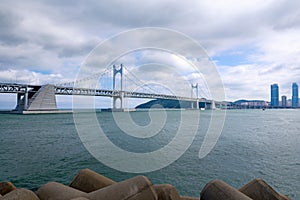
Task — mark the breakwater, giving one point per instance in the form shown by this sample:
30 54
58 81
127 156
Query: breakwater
89 185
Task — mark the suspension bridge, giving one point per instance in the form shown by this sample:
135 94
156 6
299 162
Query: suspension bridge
42 98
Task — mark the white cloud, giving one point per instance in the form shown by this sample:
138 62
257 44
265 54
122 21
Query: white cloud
282 47
29 77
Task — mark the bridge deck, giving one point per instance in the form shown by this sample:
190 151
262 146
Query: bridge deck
60 90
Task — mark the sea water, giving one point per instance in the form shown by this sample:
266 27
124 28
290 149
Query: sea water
35 149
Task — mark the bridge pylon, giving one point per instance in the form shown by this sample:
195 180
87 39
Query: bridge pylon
118 93
194 87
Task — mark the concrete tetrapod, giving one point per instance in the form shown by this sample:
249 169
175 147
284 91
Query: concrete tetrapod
217 189
20 194
88 181
166 192
258 189
189 198
58 191
169 192
137 188
6 187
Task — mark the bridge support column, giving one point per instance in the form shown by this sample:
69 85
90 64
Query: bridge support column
115 98
19 100
194 87
205 105
195 104
213 105
118 70
26 99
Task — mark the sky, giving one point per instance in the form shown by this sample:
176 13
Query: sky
252 43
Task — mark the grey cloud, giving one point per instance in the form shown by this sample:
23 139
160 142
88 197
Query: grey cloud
284 15
154 71
9 34
271 70
35 47
131 13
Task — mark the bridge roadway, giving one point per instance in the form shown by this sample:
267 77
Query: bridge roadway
61 90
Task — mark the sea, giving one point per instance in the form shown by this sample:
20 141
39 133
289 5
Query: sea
38 148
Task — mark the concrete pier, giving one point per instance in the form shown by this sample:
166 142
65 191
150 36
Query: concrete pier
42 100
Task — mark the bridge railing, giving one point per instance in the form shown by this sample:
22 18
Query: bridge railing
17 88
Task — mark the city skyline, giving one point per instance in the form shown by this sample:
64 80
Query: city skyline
275 100
275 96
252 43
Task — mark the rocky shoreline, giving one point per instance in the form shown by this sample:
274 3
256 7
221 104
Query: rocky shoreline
89 185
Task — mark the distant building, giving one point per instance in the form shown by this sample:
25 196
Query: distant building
274 95
295 95
283 101
248 104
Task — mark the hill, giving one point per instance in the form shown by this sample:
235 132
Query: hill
162 103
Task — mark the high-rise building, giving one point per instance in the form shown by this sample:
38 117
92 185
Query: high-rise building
274 95
283 101
295 95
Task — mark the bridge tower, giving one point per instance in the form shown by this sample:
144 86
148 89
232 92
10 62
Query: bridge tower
118 94
195 87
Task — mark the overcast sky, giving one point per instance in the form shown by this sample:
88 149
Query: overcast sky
253 43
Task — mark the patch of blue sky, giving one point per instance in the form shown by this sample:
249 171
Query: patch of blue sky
234 57
138 55
41 71
106 83
8 101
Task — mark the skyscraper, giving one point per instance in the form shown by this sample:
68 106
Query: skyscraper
295 95
283 101
274 95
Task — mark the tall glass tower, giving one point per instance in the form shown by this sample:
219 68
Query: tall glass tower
274 95
283 101
295 95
